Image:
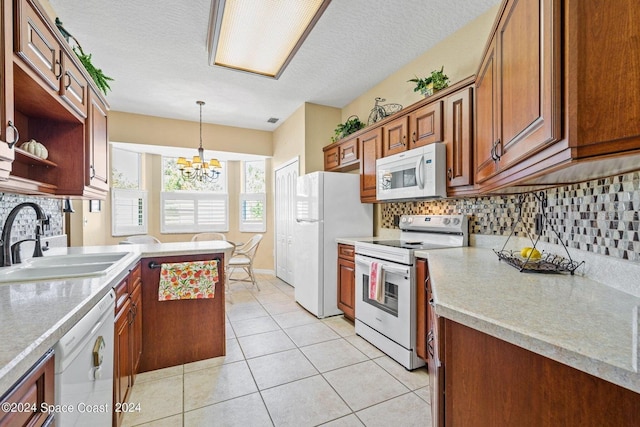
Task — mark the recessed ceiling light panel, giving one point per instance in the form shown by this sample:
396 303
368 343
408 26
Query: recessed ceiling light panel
260 36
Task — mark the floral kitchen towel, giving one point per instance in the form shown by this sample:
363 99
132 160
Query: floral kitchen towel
188 280
376 282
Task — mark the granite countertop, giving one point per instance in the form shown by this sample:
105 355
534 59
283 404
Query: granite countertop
571 319
35 315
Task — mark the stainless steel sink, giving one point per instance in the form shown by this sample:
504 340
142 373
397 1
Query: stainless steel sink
61 267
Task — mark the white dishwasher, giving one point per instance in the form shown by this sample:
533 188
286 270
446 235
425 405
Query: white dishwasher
84 369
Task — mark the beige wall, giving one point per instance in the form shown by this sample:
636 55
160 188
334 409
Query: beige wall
460 54
140 129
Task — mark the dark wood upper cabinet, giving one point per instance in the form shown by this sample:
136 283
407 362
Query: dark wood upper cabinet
518 87
47 95
425 125
395 137
370 151
458 138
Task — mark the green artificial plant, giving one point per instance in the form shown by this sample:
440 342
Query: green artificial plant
353 124
96 74
428 85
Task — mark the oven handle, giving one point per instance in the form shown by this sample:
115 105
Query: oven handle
385 267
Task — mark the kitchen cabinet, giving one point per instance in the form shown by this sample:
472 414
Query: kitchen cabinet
180 331
421 309
499 383
97 141
540 118
425 125
518 87
342 156
458 138
346 280
394 136
7 131
46 93
370 151
36 388
128 337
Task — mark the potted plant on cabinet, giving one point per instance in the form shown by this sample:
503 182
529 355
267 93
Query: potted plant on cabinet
353 124
428 85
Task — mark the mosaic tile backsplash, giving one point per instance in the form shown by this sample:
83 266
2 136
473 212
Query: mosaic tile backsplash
24 226
600 216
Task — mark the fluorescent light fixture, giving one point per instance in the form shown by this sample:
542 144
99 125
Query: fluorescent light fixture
260 36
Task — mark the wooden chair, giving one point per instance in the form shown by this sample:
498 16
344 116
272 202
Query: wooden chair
243 258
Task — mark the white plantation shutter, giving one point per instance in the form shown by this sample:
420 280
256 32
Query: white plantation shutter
253 212
193 212
128 212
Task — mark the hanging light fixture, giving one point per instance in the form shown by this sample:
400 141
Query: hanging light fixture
198 169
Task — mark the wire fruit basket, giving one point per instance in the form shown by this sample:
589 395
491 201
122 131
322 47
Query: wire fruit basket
535 261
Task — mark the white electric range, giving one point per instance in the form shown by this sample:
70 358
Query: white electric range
390 322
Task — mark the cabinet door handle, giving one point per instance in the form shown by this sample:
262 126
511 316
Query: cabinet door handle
450 174
404 140
413 137
493 152
68 83
430 348
498 145
93 171
16 134
59 65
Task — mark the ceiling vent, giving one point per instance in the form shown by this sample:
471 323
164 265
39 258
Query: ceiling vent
273 120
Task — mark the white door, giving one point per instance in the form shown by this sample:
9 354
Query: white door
285 195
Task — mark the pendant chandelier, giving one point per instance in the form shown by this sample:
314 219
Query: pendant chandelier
199 169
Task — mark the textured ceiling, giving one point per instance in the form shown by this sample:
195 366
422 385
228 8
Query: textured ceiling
156 52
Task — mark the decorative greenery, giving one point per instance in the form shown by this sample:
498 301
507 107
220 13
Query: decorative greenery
96 74
428 85
353 124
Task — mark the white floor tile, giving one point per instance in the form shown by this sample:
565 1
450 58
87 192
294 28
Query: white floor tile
294 318
256 325
280 368
330 355
311 334
158 399
239 412
364 384
413 380
306 402
207 386
267 343
407 410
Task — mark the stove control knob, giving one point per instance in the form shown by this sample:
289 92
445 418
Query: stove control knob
446 221
456 221
410 220
403 219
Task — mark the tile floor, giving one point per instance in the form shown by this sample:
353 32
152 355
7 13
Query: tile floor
283 367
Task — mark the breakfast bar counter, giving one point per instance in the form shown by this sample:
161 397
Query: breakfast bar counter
35 315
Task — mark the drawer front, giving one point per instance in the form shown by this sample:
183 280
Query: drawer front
135 278
122 293
331 158
346 251
349 151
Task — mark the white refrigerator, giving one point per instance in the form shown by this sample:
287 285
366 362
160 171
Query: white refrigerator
327 207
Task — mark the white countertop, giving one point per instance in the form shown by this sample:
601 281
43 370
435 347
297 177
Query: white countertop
571 319
35 315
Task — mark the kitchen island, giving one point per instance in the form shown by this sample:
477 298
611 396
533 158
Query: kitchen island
35 315
516 340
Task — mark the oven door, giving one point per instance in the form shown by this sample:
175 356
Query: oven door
393 316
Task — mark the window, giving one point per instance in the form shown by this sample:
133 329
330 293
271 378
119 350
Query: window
128 201
192 206
128 212
253 216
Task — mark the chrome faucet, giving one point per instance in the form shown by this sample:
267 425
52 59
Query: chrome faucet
43 221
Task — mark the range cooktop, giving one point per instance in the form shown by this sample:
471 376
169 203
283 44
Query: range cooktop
409 244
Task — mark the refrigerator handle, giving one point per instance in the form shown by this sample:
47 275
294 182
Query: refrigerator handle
299 221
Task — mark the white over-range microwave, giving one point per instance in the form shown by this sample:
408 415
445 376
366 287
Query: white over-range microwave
414 174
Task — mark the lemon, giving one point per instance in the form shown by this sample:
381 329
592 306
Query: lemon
524 252
531 253
535 254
